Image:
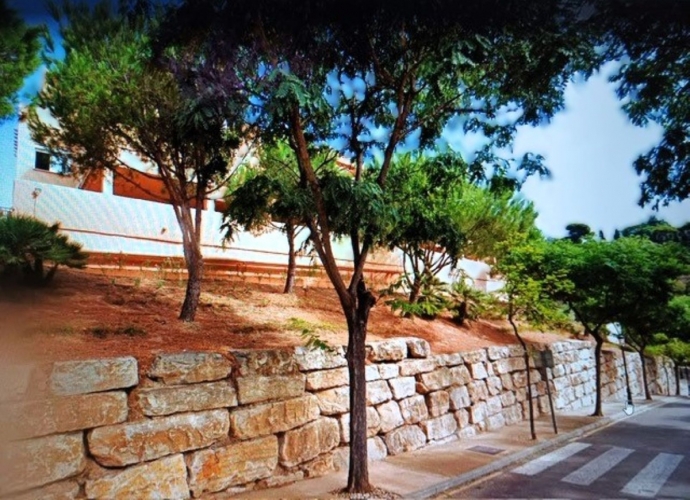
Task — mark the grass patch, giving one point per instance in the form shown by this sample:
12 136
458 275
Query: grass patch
102 332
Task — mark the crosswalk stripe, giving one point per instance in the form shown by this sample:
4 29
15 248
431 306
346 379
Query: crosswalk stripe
650 480
593 470
550 459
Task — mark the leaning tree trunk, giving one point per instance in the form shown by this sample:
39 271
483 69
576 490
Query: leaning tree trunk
357 319
647 393
292 259
598 412
530 403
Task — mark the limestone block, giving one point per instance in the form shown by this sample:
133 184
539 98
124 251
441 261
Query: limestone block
462 417
334 401
321 465
494 405
520 379
468 432
373 424
477 356
402 387
307 442
371 373
507 382
478 412
508 399
387 350
219 468
497 352
378 392
508 365
389 370
265 362
282 479
167 400
477 390
376 449
325 379
459 398
414 409
190 367
132 442
460 375
162 479
390 416
494 385
452 359
319 359
440 427
256 389
403 439
64 490
478 371
495 422
512 414
95 375
414 366
418 348
35 462
271 418
438 403
62 414
433 381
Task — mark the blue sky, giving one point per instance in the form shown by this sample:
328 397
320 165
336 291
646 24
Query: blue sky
589 148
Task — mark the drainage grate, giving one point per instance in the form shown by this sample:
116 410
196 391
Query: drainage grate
489 450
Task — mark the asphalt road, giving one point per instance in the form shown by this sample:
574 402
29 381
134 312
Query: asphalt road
645 456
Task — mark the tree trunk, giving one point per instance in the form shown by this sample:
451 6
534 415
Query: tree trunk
676 369
292 260
195 271
357 319
414 290
598 412
647 394
530 403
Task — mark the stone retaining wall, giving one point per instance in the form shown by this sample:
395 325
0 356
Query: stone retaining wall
198 423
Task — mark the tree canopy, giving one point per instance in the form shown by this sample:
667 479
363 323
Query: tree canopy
20 47
650 41
107 96
372 77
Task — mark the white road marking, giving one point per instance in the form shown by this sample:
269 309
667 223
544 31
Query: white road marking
550 459
651 479
593 470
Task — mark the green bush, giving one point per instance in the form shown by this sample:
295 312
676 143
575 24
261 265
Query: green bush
31 250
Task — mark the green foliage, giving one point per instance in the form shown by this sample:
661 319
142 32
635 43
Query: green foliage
652 38
433 298
19 55
578 232
441 217
468 303
29 246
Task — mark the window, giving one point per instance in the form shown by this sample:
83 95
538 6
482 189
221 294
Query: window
49 163
42 161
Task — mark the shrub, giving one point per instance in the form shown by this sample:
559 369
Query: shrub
32 250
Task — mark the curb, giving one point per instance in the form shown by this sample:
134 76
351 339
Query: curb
502 463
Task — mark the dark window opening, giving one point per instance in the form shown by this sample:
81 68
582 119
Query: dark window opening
42 161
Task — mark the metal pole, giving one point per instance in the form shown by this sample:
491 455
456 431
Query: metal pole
627 378
548 392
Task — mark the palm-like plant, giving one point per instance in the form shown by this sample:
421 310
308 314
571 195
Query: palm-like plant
33 249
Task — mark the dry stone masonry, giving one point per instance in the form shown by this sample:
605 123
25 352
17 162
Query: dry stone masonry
198 423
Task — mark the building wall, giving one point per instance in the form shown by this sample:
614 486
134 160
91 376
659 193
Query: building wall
199 423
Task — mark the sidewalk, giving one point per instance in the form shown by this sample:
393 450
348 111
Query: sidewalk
429 472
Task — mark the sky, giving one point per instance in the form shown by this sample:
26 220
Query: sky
589 147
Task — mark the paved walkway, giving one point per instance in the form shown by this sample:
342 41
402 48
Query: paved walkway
432 470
